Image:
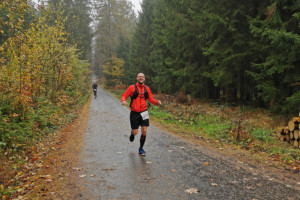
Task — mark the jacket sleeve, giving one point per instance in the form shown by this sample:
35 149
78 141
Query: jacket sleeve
150 97
127 93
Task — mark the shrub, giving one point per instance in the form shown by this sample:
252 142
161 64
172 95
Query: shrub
182 98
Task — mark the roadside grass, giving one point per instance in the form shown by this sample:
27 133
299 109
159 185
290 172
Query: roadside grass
250 129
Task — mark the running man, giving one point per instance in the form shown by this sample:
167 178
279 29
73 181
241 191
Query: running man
139 115
95 86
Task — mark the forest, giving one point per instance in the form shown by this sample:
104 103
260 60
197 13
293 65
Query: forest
240 52
227 52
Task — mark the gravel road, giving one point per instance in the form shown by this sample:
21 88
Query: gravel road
112 168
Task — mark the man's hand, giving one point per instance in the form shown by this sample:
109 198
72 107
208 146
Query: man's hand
158 102
124 103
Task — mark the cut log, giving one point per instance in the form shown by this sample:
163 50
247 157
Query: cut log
286 130
291 125
296 119
296 143
296 134
281 128
287 138
291 135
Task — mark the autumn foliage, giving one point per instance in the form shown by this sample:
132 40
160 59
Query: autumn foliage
113 71
42 82
41 77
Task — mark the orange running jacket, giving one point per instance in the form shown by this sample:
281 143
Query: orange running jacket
139 104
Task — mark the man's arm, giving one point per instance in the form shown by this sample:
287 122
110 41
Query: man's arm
125 95
151 99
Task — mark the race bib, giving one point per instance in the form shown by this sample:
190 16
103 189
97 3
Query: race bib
145 115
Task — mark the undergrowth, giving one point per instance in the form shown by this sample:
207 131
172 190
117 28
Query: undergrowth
21 136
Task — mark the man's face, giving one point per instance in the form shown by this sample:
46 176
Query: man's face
140 78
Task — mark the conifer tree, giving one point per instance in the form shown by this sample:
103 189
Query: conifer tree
114 24
276 68
140 51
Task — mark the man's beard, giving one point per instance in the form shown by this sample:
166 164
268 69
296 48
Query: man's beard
141 82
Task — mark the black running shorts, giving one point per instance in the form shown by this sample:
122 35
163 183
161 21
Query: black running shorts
136 120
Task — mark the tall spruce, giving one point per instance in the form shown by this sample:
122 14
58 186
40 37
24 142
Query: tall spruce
140 51
276 68
114 23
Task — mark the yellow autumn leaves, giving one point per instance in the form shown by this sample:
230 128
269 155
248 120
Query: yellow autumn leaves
113 71
37 61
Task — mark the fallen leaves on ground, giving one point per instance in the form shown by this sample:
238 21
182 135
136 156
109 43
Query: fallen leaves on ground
192 190
77 168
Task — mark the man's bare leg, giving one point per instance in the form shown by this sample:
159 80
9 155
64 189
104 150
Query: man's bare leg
133 133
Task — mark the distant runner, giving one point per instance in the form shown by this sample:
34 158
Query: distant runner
139 115
95 86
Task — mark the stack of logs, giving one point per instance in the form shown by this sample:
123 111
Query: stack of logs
291 133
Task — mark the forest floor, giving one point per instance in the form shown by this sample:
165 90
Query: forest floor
56 177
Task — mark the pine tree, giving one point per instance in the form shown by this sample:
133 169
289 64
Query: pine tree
276 69
140 49
114 24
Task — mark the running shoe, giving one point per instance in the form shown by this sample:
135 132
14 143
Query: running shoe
131 138
142 152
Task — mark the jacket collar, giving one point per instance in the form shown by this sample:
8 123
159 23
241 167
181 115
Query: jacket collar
140 85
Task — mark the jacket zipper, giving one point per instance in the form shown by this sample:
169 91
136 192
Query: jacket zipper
141 100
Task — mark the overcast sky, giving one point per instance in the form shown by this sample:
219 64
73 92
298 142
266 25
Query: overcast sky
136 4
